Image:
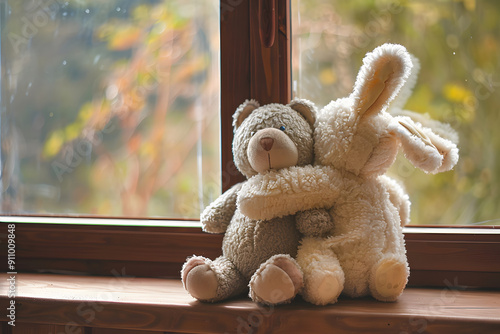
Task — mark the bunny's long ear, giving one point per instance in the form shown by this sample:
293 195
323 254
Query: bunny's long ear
429 144
424 148
406 90
441 129
384 71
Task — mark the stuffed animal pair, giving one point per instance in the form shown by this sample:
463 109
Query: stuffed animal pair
349 214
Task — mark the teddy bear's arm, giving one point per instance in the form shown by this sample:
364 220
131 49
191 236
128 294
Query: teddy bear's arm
315 222
218 214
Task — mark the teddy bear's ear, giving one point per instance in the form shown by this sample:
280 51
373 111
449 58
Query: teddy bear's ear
306 108
384 71
243 111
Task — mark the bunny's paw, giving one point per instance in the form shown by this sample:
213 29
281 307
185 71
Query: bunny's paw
323 287
390 280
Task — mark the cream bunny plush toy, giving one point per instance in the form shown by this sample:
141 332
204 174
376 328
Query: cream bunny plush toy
356 141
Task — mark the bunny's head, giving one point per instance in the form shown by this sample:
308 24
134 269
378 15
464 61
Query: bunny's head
359 135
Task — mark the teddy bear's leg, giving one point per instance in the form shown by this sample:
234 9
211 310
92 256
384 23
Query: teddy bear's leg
277 281
388 278
323 275
212 281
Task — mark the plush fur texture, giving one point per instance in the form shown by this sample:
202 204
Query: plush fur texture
217 216
279 193
258 253
356 141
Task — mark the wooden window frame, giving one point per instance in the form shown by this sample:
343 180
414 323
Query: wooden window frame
454 256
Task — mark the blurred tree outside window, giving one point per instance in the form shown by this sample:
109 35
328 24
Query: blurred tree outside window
458 45
109 108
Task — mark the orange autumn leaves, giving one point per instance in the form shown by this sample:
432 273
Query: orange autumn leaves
150 95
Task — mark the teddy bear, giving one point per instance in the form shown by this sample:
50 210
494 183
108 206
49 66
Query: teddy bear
356 141
259 254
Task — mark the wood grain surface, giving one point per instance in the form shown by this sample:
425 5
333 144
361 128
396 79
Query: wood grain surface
470 259
147 304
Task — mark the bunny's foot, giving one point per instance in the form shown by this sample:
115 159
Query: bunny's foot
323 275
389 279
323 287
277 281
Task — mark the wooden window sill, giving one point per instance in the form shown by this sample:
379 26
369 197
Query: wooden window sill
150 304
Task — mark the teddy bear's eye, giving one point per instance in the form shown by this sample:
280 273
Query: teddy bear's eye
252 133
282 128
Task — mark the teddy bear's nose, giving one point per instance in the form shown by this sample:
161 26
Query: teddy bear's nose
266 143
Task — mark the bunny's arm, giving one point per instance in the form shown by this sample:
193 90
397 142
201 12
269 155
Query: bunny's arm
287 191
217 215
314 222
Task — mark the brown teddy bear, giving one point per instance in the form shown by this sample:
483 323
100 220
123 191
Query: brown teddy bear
259 253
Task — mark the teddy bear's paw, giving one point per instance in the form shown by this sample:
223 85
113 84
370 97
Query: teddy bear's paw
391 277
272 286
199 279
323 287
277 281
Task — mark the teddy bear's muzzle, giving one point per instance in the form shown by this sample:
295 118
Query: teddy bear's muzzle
271 149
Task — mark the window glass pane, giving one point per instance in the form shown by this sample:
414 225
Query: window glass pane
458 44
109 108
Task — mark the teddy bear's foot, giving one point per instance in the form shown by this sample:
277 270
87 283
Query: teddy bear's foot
199 279
390 279
277 281
323 287
212 281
